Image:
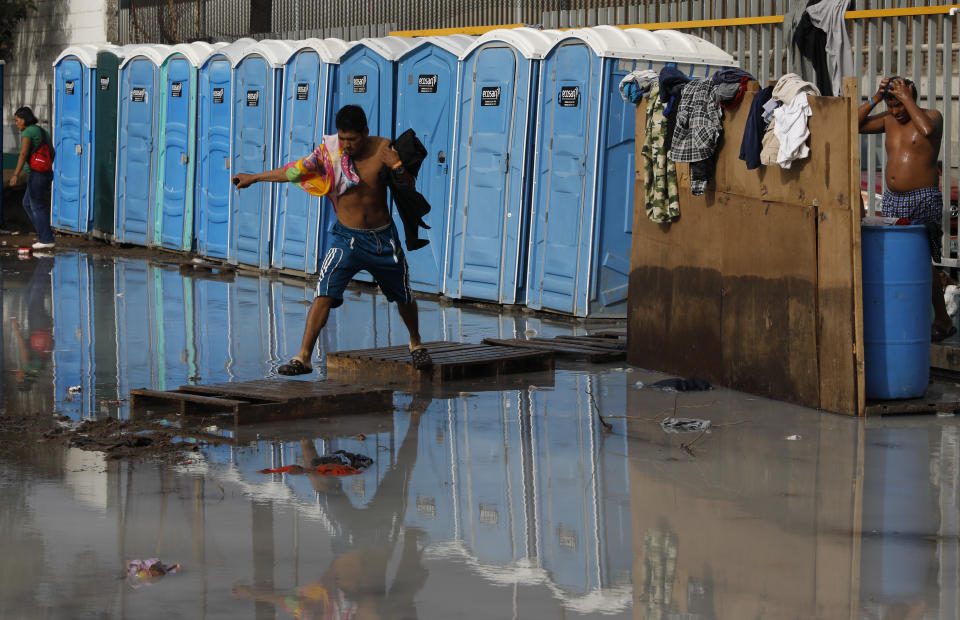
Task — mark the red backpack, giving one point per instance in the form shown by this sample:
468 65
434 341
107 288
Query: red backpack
41 159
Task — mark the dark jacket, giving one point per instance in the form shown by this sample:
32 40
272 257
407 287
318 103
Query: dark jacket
411 205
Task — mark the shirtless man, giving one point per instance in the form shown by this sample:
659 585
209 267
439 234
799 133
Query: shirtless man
364 236
913 180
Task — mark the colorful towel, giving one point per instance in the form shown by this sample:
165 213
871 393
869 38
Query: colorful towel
327 171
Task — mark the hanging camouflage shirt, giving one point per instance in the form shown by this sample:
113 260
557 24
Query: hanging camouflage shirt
659 172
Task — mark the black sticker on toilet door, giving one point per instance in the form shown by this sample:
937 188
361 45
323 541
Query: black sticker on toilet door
218 95
138 95
359 83
303 91
489 96
569 96
176 89
104 82
253 98
69 86
427 83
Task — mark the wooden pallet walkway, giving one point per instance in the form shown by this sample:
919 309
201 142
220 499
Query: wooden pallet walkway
938 398
591 348
268 400
451 361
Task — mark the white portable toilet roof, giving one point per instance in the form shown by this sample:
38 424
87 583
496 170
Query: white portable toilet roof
196 53
531 42
276 51
156 53
456 44
233 51
87 53
330 50
639 43
391 48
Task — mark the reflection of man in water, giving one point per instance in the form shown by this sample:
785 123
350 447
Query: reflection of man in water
34 339
355 584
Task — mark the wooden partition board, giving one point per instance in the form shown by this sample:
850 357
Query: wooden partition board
757 285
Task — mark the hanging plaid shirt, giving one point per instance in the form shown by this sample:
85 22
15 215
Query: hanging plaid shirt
659 173
698 130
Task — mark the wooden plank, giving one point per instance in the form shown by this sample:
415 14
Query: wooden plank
821 179
769 335
450 361
185 403
674 307
916 405
563 349
597 343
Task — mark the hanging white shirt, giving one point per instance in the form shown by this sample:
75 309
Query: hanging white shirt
791 130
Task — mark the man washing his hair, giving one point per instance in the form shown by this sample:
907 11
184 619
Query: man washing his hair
345 167
913 180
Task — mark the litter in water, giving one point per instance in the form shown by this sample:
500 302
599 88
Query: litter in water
681 385
793 437
685 425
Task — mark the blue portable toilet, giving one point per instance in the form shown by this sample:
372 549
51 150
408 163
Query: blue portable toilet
74 73
74 362
367 78
427 102
493 156
137 116
308 83
214 130
173 211
582 215
257 100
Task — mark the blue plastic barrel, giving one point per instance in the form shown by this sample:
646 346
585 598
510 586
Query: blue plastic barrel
896 311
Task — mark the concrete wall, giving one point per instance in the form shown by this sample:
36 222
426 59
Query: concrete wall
56 25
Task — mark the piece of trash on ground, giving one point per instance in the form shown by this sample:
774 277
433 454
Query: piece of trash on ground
685 425
340 463
638 384
945 414
140 572
211 429
682 385
793 437
75 389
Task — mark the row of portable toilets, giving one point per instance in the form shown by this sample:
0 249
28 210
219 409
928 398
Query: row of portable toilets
530 169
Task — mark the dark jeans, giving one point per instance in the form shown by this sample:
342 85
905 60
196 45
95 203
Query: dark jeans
36 202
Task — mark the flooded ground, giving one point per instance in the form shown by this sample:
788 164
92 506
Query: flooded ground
480 503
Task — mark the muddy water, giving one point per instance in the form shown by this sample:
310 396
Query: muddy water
481 502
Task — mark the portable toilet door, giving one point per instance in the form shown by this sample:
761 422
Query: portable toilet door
72 130
136 143
581 224
493 156
104 154
173 211
426 103
309 78
367 79
257 101
214 130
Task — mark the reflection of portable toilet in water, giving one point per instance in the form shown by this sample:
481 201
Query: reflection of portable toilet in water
72 329
173 211
104 156
257 98
493 155
308 83
136 144
214 126
74 73
582 210
427 103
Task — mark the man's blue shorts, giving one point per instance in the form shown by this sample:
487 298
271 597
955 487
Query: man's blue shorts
377 250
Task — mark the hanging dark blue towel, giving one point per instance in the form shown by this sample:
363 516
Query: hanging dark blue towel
752 142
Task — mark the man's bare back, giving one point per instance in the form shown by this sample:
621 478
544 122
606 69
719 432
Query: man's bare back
913 136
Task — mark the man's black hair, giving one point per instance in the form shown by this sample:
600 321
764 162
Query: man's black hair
351 118
888 93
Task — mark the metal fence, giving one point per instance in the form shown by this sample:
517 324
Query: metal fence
920 46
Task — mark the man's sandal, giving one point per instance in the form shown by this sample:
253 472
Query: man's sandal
294 367
421 358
